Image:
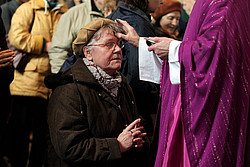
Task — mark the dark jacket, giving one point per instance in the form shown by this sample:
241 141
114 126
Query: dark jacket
146 93
6 73
84 120
8 9
6 76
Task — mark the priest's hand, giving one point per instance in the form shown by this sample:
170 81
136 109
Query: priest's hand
161 48
130 35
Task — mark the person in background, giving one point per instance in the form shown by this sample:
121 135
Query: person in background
6 75
109 6
166 19
32 27
8 9
67 29
136 13
3 1
204 114
183 23
92 114
71 3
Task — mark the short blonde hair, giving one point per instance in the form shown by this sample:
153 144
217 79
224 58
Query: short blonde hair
110 4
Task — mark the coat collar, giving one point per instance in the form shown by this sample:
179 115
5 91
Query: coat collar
82 74
92 11
40 4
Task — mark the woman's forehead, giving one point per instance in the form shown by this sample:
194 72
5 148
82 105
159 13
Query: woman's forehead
108 35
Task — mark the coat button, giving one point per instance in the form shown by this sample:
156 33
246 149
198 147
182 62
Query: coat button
132 102
99 94
119 106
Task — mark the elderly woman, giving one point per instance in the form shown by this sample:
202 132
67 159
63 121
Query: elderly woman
92 115
136 13
166 19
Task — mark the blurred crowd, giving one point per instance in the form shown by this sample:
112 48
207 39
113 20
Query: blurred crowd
40 34
50 110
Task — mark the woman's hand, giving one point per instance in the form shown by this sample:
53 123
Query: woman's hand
131 136
161 48
47 47
6 58
130 34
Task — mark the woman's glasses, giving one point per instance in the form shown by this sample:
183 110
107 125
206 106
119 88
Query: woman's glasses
111 45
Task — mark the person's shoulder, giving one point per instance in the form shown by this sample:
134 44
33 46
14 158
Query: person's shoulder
77 10
10 6
125 15
141 26
55 80
28 6
26 9
5 5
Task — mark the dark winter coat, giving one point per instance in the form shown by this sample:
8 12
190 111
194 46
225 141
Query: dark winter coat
6 76
6 73
146 93
85 121
8 9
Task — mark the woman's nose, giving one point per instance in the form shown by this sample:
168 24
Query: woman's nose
175 22
116 48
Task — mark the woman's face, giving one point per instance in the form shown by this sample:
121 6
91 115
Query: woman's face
99 4
154 5
170 21
107 58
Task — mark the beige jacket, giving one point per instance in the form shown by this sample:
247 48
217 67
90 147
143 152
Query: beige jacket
31 82
67 30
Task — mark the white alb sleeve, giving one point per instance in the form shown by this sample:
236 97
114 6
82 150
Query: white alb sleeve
174 64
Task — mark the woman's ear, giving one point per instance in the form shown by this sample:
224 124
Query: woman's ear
87 53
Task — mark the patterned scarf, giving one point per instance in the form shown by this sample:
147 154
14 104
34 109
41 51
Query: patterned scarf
109 83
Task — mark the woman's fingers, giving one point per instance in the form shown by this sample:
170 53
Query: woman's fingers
137 131
133 124
138 142
7 53
131 136
5 59
2 65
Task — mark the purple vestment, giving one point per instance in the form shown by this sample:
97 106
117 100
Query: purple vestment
215 87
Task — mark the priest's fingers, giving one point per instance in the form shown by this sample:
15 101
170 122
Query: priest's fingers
161 49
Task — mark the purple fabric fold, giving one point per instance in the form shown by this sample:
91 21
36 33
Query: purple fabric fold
215 86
